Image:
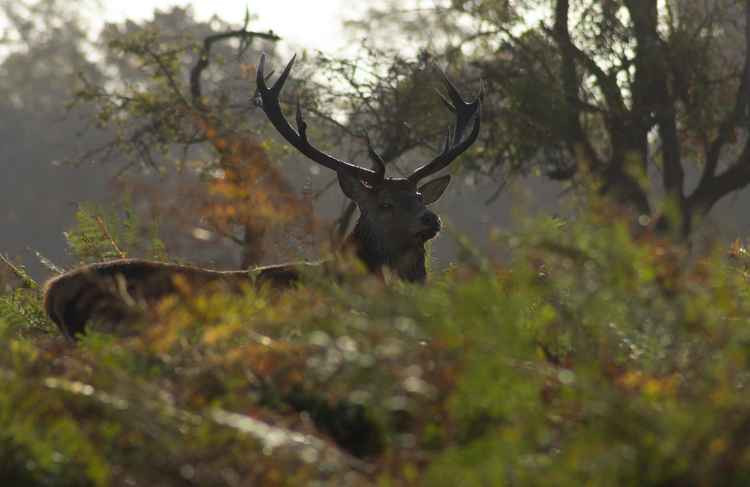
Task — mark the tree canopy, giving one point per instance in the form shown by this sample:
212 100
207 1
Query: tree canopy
647 101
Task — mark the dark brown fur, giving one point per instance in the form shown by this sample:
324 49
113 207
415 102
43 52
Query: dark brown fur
111 290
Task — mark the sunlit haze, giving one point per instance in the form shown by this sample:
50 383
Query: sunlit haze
310 24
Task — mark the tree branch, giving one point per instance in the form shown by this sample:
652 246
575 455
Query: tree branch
196 90
733 118
570 84
27 281
167 73
606 83
713 187
651 93
712 190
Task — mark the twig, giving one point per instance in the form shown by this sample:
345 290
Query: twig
48 263
103 227
25 278
167 73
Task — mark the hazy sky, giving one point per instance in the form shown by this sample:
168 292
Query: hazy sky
313 24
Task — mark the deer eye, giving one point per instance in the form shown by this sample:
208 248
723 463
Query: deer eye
385 205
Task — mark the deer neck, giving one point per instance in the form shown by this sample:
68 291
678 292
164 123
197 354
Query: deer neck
408 262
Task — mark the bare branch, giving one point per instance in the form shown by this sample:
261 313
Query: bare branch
105 230
651 93
28 282
606 83
713 187
570 81
204 59
733 118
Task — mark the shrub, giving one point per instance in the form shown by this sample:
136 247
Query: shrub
593 357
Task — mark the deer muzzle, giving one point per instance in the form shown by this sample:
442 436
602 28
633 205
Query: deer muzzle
429 226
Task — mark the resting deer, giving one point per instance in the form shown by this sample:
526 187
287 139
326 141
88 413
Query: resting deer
393 226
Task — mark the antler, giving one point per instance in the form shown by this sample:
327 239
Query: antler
464 111
298 138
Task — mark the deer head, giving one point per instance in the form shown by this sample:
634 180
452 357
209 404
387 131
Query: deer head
394 222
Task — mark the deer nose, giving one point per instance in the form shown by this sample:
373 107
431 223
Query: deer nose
430 220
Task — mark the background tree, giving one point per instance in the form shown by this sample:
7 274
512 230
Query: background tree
182 95
167 93
649 100
45 48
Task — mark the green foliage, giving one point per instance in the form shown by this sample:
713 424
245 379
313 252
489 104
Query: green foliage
104 234
22 311
20 305
157 104
592 358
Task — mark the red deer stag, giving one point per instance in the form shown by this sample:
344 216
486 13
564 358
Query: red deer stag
393 226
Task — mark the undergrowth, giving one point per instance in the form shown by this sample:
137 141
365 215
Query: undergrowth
591 358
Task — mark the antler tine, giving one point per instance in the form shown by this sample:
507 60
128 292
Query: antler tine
377 159
277 87
269 101
463 110
454 146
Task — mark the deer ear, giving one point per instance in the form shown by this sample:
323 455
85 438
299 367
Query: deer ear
352 186
433 190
